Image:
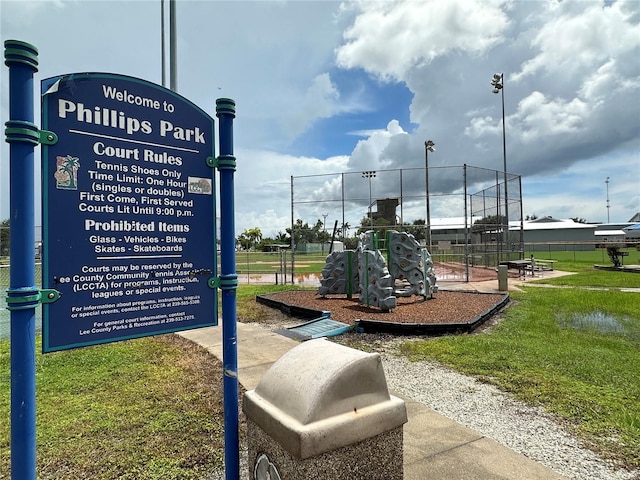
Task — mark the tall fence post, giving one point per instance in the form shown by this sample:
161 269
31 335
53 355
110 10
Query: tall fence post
226 112
22 296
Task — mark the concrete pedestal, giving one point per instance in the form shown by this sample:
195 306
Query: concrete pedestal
324 411
503 278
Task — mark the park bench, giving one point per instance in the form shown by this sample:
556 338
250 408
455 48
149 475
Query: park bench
616 256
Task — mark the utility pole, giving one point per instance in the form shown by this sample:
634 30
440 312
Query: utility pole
607 182
173 47
162 49
429 146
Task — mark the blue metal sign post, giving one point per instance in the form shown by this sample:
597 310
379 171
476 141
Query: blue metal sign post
129 236
23 296
226 112
129 226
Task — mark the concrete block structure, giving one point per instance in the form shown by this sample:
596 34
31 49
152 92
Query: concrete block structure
324 411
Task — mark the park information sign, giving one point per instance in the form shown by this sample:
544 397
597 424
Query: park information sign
129 236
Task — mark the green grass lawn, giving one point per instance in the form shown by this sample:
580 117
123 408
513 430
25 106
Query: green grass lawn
578 260
140 409
575 352
596 278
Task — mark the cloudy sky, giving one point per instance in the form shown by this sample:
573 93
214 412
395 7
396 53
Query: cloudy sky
325 87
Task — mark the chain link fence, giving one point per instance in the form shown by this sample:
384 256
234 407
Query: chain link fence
461 212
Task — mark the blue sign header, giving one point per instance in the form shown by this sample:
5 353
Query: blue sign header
129 211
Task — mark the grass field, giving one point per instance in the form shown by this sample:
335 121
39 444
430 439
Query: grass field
579 260
573 351
138 410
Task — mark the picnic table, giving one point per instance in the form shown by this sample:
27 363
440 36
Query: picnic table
543 264
616 255
521 265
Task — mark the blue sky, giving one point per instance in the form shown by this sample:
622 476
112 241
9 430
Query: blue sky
329 87
339 134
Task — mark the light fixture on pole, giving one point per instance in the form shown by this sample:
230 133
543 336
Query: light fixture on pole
369 175
498 87
429 146
607 182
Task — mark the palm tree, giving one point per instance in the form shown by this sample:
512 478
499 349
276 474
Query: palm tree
345 229
254 235
68 168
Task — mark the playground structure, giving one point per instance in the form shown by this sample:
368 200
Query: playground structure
365 270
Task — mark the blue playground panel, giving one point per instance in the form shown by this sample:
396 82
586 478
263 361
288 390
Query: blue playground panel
320 327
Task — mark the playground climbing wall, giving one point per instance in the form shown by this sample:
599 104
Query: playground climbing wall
340 274
365 271
376 284
411 264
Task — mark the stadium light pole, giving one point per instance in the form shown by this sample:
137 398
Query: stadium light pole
429 146
162 49
498 87
607 182
369 175
173 48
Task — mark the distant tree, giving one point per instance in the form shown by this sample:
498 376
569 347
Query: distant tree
531 217
344 230
320 233
243 241
4 238
301 233
488 226
579 220
282 238
265 244
350 243
417 229
249 238
379 225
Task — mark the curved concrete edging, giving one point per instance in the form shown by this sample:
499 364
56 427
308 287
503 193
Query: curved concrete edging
303 313
376 326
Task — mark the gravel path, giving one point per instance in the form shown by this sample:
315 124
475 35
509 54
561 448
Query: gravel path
480 407
488 411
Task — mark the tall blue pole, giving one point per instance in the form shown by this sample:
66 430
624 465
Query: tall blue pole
22 295
226 112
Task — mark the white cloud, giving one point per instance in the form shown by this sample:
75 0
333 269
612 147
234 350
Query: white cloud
389 38
23 13
368 153
320 101
536 117
572 83
263 186
541 117
575 38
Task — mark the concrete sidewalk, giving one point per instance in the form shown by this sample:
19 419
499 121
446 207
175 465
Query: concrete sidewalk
435 447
